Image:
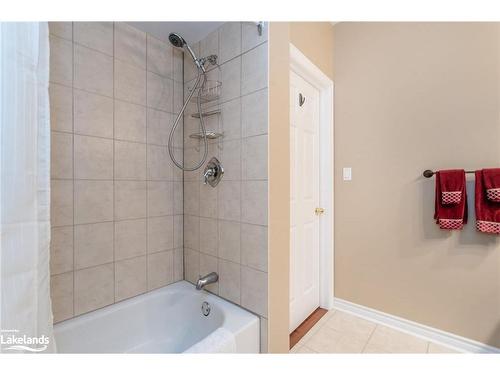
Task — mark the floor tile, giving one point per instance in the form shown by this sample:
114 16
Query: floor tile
388 340
328 340
439 349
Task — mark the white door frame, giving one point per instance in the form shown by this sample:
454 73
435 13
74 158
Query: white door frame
301 65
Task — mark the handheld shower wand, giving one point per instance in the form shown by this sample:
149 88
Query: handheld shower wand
179 42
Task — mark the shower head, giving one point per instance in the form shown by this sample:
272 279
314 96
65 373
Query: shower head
176 40
179 42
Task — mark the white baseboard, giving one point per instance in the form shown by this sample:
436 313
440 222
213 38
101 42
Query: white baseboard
450 340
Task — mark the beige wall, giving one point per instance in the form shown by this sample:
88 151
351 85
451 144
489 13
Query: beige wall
315 40
409 97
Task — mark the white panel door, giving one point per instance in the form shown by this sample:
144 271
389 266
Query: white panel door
304 199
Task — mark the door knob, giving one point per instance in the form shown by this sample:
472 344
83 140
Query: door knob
319 210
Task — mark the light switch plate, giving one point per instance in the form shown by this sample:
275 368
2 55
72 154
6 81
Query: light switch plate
347 174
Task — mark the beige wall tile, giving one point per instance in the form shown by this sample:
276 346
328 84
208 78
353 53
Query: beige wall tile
130 122
160 56
160 92
178 231
94 288
130 238
229 241
61 61
130 83
61 250
93 244
229 281
130 199
61 107
254 290
254 70
61 202
250 37
160 269
61 155
254 114
231 119
263 335
61 29
254 202
61 293
160 233
159 125
209 264
230 157
254 246
229 200
191 265
229 41
208 236
95 35
130 278
130 44
178 198
254 158
178 264
192 232
93 201
93 71
178 65
208 203
130 160
160 198
93 114
178 99
93 158
192 197
210 44
159 165
230 75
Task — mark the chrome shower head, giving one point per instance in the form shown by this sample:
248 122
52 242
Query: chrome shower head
179 42
176 40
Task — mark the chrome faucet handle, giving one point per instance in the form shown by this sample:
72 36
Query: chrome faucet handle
208 173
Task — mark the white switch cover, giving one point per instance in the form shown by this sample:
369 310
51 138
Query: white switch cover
347 174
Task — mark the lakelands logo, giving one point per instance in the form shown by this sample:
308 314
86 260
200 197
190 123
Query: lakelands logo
10 340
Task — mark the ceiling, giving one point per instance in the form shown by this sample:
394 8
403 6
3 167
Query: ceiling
192 32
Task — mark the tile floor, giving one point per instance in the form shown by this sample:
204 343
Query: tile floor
340 332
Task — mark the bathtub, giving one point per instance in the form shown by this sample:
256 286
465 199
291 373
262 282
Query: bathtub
166 320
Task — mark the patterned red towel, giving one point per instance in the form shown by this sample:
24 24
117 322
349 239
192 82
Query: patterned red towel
451 199
487 211
491 180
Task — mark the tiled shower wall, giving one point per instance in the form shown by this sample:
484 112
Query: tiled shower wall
225 228
116 197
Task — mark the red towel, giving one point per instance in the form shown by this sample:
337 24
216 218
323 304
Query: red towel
451 199
491 179
487 211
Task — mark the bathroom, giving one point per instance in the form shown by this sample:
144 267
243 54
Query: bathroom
248 186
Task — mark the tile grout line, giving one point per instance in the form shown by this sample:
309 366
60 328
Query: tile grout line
369 338
114 168
73 155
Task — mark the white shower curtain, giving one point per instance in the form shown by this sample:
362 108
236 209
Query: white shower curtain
25 314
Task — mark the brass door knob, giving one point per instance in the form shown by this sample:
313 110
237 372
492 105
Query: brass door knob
319 210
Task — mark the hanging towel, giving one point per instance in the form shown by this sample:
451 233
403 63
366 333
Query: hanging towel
487 211
491 179
451 199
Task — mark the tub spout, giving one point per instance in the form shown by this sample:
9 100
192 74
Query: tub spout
211 278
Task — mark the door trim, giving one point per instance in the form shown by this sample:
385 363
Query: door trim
301 65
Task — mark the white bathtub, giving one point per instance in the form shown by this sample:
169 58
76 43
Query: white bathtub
167 320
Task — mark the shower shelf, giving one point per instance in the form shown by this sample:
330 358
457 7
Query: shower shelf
210 135
209 92
208 113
